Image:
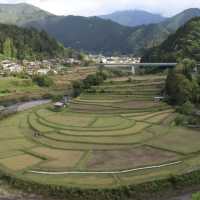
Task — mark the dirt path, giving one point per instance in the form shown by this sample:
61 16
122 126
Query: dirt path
102 172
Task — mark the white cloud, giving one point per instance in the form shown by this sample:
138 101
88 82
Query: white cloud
96 7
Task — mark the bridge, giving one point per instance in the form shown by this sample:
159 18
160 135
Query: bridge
134 65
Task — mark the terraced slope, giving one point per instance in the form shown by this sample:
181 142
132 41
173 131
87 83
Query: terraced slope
103 139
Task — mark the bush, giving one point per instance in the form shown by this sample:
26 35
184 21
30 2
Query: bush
187 108
43 81
179 120
91 80
129 80
196 196
192 120
77 88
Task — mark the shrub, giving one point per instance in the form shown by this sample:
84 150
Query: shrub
91 80
196 196
179 120
187 108
43 81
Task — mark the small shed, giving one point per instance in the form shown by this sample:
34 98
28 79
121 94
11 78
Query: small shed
59 105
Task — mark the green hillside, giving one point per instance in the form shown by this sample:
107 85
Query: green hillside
94 34
97 35
21 13
184 43
27 43
90 34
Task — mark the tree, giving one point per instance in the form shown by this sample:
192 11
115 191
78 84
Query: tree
188 67
8 47
178 88
183 89
187 108
43 81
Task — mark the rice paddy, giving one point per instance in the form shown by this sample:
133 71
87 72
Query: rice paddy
117 135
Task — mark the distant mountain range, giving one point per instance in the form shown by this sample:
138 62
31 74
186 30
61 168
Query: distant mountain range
134 17
97 35
185 43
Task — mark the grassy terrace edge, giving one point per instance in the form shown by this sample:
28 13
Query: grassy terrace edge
157 188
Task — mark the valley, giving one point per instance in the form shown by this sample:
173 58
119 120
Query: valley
99 107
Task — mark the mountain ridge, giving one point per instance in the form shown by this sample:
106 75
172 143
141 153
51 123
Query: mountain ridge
20 13
96 35
134 18
185 43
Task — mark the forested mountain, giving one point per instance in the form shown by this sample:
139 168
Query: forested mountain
91 34
23 43
185 43
97 35
21 13
94 34
134 17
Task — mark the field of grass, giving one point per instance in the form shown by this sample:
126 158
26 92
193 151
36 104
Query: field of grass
15 89
101 140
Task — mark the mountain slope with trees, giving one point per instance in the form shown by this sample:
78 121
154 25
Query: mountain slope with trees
184 43
21 13
94 34
105 36
134 17
23 43
90 34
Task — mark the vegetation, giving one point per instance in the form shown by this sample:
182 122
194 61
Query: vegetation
181 86
91 80
101 132
183 90
105 36
134 17
21 87
23 43
184 43
21 13
109 37
43 81
196 196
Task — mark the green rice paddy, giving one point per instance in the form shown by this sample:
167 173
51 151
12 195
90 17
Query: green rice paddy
102 140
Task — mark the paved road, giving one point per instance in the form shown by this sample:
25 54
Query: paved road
31 104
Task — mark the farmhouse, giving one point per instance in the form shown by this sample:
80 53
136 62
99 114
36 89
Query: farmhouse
11 67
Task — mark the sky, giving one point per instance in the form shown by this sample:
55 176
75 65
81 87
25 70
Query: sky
98 7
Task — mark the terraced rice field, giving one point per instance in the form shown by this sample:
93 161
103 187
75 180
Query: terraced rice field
113 137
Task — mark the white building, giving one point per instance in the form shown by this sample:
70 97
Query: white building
43 71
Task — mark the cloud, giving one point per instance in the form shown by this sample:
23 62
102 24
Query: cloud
97 7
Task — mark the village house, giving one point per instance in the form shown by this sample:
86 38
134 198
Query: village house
43 71
11 67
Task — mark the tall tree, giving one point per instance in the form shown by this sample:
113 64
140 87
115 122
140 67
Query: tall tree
8 47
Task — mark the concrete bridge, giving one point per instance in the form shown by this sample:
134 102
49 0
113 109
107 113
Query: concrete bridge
134 65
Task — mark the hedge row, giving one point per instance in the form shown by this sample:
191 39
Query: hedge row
150 190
